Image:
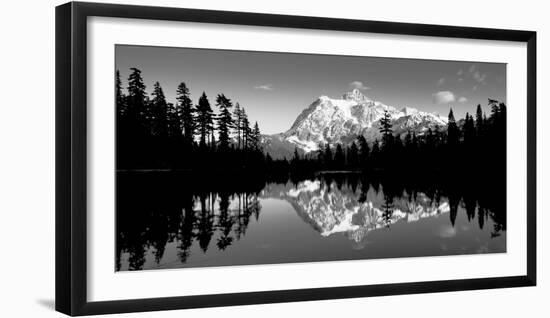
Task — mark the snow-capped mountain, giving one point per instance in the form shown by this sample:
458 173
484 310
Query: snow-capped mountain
333 121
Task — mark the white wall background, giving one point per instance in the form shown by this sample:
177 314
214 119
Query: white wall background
27 158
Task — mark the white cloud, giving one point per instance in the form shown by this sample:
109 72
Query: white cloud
444 97
441 81
472 68
474 88
460 79
462 99
459 73
264 87
358 85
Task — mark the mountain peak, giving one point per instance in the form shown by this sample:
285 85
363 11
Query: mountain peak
356 95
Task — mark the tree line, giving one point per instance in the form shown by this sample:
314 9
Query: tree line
153 133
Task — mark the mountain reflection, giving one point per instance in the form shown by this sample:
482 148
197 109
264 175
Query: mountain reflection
198 217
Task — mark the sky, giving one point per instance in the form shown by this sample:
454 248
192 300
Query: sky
275 87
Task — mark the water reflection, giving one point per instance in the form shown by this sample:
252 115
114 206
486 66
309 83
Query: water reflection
166 221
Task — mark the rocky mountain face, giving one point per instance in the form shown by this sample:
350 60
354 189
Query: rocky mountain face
333 121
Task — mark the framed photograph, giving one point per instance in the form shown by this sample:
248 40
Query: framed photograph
209 158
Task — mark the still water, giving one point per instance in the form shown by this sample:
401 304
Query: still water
179 223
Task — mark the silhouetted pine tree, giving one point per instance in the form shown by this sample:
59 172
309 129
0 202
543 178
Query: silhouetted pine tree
137 97
479 121
135 137
225 121
255 138
159 112
468 129
204 119
245 129
386 130
185 113
237 120
453 135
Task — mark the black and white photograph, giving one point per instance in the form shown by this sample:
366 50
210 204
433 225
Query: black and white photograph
246 159
227 157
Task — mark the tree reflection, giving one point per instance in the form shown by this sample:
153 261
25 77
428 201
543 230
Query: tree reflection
154 210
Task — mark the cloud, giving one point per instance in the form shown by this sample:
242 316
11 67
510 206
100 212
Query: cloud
441 81
358 85
444 97
462 99
264 87
472 68
474 88
460 79
459 73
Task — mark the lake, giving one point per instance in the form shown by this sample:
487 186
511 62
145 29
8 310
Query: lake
175 221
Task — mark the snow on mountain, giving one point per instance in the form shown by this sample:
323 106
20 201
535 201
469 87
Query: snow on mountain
332 121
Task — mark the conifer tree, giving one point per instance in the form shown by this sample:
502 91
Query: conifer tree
136 97
452 130
245 129
256 137
237 120
159 112
468 129
204 119
479 120
225 121
185 113
386 129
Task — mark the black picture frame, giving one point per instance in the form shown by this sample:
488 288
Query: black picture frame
71 157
